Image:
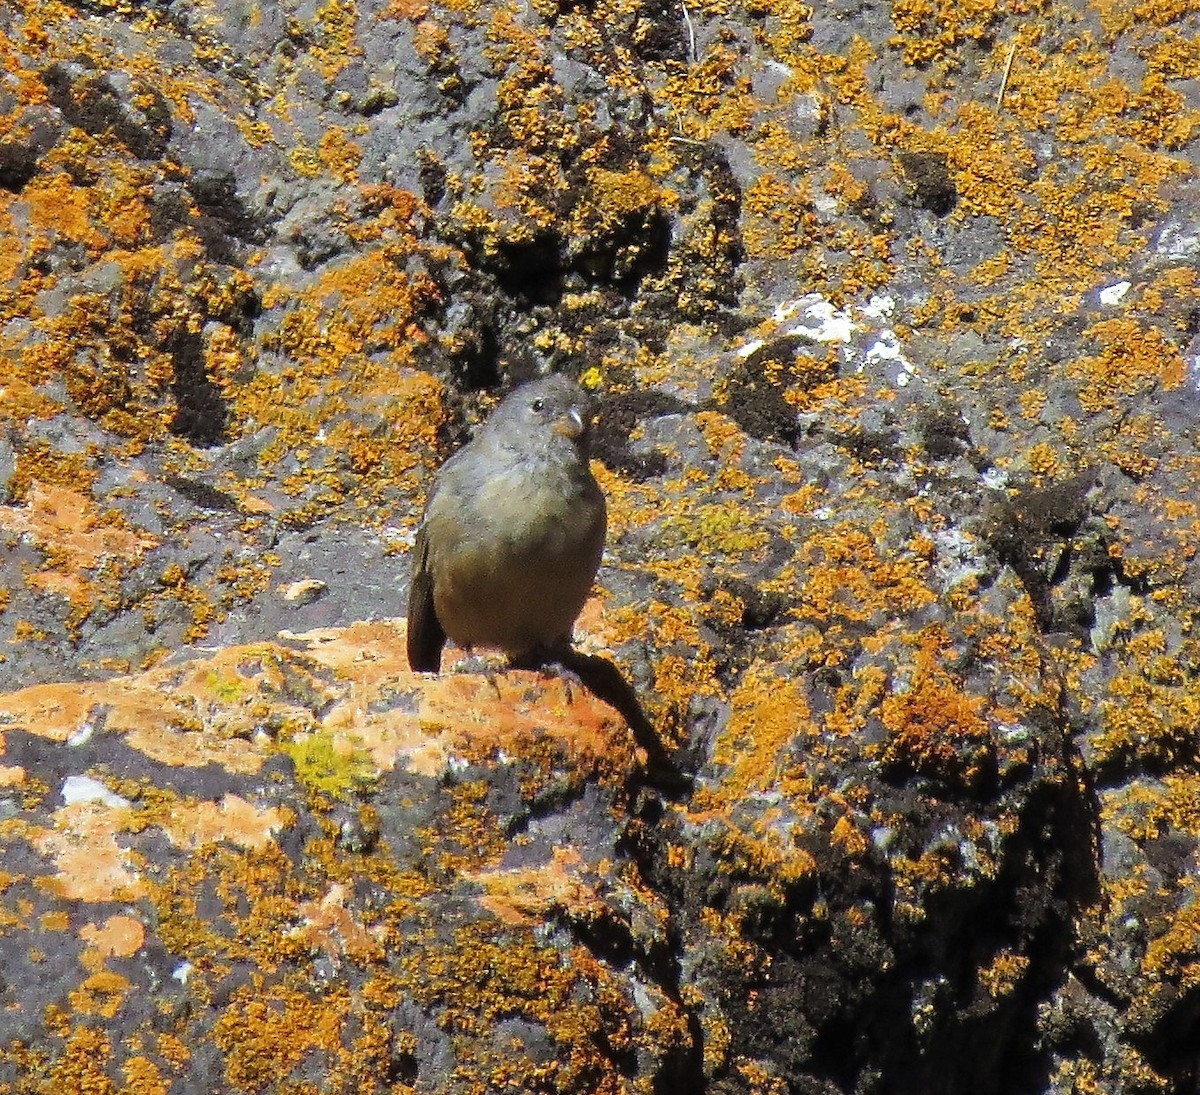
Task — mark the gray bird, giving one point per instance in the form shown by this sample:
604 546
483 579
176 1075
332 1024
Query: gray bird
512 534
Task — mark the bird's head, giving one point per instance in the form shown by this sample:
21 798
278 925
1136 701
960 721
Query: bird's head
544 411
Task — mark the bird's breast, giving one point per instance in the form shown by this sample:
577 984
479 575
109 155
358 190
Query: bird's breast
541 511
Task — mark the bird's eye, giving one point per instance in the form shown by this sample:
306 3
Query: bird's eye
538 404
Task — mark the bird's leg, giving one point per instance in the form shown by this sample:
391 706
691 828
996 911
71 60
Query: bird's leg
471 662
549 662
479 664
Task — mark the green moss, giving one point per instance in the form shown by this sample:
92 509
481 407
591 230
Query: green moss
720 529
324 769
226 687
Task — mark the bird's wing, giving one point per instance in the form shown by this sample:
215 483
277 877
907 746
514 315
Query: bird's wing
426 636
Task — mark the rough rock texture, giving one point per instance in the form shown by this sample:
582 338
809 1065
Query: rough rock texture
893 314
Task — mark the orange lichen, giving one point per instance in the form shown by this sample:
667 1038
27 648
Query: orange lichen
91 864
233 819
616 197
929 30
331 926
340 156
265 1036
101 994
40 463
70 527
483 977
1154 719
59 210
769 715
526 896
82 1064
1044 460
936 729
119 937
1132 359
846 577
1171 957
781 218
142 1076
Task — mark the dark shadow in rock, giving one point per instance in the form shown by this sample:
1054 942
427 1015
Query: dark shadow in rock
433 175
859 998
946 435
931 185
215 194
618 417
402 1068
755 396
18 164
761 408
638 249
478 363
200 412
761 609
531 273
140 119
1080 829
1170 1040
1056 541
662 35
537 272
201 494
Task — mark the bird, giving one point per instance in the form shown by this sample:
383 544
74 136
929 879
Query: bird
512 533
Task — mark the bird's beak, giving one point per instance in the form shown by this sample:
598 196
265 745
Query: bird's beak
570 425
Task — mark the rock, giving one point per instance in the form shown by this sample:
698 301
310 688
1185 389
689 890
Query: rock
896 382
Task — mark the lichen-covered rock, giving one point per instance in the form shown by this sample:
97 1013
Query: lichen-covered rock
301 865
891 313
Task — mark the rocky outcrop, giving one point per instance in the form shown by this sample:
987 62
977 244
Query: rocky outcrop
891 314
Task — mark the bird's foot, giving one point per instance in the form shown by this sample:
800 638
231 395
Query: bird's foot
479 665
471 662
548 663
